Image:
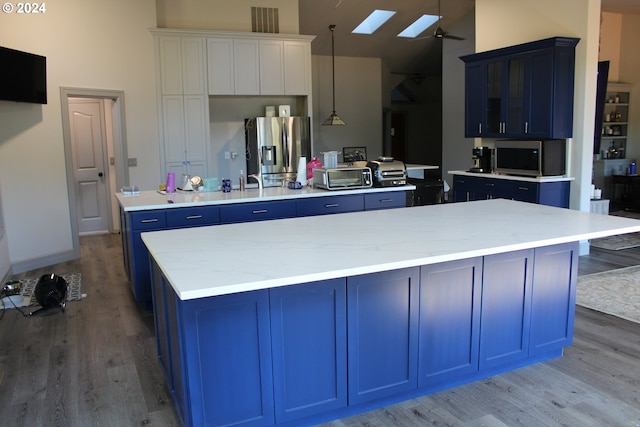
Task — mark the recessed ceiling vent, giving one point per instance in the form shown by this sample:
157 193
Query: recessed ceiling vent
265 20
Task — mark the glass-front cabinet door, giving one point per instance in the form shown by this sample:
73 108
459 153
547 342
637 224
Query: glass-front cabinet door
495 101
516 122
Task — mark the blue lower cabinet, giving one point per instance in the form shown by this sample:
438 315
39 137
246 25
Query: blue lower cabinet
450 295
308 329
376 201
140 272
259 211
330 205
553 298
226 349
506 307
383 334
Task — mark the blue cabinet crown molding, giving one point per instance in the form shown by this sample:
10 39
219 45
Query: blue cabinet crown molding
557 41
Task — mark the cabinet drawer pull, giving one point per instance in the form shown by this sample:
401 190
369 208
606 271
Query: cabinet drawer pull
386 200
147 221
490 185
332 205
523 188
194 217
259 211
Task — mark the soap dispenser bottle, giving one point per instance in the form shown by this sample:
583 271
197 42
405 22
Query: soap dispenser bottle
241 180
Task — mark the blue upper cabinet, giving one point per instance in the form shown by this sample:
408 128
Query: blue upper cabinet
523 91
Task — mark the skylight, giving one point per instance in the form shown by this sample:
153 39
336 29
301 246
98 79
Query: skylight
373 21
421 24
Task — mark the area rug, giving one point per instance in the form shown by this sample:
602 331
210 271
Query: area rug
74 290
615 292
622 241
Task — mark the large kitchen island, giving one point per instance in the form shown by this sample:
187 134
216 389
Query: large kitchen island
299 321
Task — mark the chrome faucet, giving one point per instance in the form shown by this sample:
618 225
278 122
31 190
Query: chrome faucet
258 177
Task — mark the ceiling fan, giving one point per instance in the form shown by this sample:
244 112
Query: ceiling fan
439 33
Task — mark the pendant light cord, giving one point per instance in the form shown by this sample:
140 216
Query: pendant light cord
333 66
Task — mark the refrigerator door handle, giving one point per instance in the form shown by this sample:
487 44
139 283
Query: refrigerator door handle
285 143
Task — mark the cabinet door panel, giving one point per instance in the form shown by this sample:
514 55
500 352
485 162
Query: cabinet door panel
220 66
475 84
516 122
553 298
170 65
296 68
541 97
449 321
309 333
227 354
506 307
246 64
196 127
271 67
383 334
495 98
174 128
193 68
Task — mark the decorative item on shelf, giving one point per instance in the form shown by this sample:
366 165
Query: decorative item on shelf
616 116
333 119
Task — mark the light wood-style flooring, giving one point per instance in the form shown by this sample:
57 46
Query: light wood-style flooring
95 365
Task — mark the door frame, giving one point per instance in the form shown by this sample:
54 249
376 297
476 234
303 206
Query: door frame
119 148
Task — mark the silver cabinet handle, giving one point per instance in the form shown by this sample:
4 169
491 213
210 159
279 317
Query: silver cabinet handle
526 127
386 200
194 217
259 211
146 221
332 205
523 188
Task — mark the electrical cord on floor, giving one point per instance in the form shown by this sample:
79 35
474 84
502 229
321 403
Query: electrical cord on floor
3 294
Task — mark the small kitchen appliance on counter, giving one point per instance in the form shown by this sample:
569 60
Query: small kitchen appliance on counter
342 178
388 172
481 160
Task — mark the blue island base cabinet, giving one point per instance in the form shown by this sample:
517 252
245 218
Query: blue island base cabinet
305 354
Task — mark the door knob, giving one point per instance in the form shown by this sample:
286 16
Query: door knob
100 174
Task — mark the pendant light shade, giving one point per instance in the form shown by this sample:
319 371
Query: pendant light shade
333 119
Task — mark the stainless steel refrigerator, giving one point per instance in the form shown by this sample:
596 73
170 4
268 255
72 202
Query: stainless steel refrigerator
274 146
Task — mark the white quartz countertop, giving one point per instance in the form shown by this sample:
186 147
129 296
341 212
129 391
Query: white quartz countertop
217 260
513 177
148 200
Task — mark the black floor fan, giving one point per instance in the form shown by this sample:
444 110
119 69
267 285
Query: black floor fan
50 292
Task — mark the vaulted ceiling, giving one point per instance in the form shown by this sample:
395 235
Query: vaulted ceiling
400 55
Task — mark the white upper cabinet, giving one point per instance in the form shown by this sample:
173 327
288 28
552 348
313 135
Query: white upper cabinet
297 68
271 67
182 66
253 64
246 62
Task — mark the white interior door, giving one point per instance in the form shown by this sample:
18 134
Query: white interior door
89 153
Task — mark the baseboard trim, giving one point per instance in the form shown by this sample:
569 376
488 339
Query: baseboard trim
32 264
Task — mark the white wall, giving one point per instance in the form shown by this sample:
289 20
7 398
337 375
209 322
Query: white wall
501 23
5 261
456 149
358 103
223 14
610 37
88 44
629 66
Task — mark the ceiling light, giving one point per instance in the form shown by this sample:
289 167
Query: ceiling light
373 21
421 24
333 119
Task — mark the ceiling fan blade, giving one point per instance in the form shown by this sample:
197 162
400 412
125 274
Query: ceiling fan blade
452 37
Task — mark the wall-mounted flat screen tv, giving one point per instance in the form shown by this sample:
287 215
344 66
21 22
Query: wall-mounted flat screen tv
23 76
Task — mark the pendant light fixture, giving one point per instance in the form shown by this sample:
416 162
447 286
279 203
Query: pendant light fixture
333 119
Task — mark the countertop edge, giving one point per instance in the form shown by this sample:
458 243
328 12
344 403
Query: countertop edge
540 179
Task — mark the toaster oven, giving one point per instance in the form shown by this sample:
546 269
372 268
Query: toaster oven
342 178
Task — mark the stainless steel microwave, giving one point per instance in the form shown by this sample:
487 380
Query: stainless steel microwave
531 158
342 178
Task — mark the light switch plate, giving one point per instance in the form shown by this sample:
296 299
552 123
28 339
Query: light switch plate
284 110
